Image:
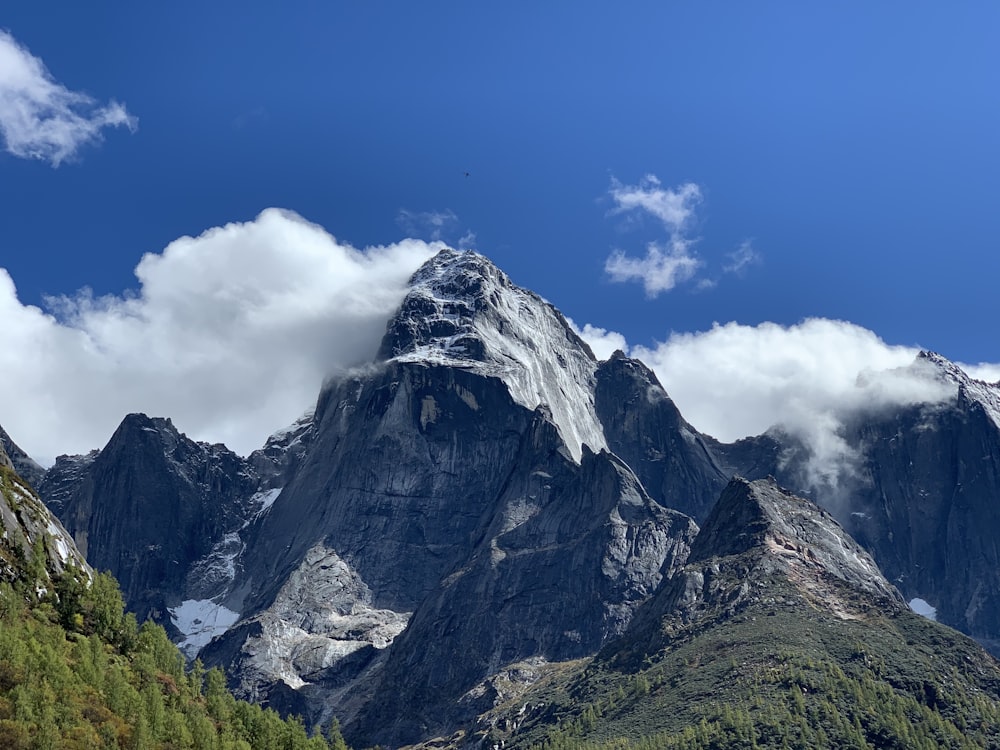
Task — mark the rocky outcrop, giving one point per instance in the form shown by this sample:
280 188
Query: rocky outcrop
761 541
25 466
31 538
151 504
677 465
567 557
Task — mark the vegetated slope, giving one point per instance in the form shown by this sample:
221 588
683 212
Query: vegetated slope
779 632
77 672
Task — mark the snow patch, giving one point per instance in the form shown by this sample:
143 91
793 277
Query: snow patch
266 500
58 536
200 620
922 608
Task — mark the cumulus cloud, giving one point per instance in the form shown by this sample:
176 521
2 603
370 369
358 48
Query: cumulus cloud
662 268
672 206
230 333
42 119
736 380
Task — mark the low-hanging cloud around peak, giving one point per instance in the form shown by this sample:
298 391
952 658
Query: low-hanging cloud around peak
42 119
735 380
230 333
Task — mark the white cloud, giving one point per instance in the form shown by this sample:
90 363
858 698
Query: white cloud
673 206
602 342
663 268
983 371
736 380
742 258
231 334
42 119
668 264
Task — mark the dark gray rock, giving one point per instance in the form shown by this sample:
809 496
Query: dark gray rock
760 538
677 465
569 554
25 466
150 504
927 498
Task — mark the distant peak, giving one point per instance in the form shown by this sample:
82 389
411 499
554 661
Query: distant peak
971 391
794 532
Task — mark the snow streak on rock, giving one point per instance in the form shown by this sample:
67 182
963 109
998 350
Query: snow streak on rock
462 311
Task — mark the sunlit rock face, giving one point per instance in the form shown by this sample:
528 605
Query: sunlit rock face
759 541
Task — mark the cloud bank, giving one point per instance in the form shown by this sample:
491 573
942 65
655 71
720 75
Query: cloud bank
42 119
230 333
736 380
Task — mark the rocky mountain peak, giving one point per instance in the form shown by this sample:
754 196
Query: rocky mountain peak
804 538
971 392
761 542
20 461
462 311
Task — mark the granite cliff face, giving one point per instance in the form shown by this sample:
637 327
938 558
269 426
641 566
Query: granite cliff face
458 468
30 536
926 500
759 532
149 506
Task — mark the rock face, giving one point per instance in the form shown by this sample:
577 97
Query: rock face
29 534
926 502
25 466
566 559
755 534
676 464
149 505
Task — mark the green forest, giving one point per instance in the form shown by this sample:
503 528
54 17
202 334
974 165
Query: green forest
77 673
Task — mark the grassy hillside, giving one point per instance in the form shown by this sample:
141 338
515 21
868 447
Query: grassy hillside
779 674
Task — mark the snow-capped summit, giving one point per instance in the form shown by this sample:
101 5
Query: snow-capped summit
970 390
462 311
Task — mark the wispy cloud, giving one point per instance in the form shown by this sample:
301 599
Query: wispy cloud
742 258
433 225
666 264
673 206
42 119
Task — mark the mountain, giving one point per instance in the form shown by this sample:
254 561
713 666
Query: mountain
486 503
76 671
925 497
778 632
150 505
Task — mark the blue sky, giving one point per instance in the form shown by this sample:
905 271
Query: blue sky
835 162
